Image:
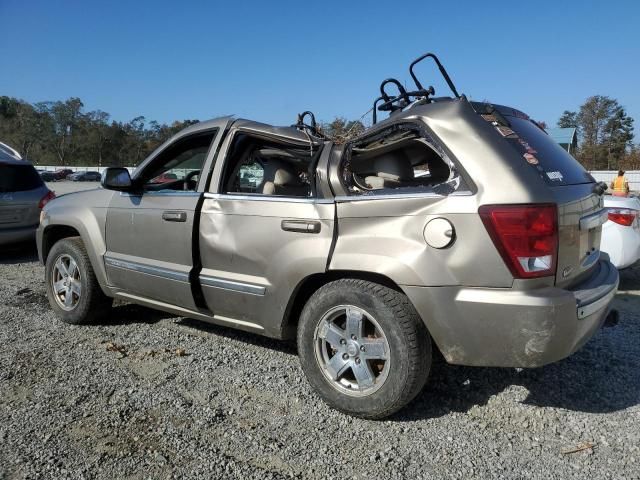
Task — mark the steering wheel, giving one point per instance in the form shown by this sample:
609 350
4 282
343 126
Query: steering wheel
188 182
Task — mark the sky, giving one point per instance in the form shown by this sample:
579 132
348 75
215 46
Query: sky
269 60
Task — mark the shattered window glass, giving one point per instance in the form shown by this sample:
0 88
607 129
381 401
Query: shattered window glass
399 160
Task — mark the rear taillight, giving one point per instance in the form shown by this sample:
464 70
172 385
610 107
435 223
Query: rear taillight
46 199
622 216
525 235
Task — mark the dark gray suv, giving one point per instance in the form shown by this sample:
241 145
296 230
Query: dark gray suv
23 194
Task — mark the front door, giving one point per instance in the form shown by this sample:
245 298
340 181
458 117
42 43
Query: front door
149 233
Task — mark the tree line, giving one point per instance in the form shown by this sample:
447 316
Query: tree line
63 133
606 134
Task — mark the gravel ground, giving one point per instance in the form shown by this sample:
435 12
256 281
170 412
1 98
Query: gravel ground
149 395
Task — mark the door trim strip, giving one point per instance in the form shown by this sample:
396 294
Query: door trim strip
171 274
149 270
232 285
266 198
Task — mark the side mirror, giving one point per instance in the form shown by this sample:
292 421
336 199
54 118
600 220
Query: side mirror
117 178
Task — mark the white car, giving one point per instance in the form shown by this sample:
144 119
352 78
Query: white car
621 232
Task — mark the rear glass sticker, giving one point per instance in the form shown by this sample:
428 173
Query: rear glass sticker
506 131
526 146
555 176
489 118
530 158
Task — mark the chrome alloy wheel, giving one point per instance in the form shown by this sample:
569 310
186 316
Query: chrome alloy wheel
65 282
352 350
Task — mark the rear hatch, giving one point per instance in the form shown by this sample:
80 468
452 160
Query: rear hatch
21 190
580 208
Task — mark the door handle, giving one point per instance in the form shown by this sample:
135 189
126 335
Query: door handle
302 226
174 216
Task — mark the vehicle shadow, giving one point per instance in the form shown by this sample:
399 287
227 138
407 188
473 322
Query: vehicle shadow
602 377
129 313
18 253
629 279
282 346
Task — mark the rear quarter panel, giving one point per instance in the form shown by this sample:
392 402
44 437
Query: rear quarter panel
385 235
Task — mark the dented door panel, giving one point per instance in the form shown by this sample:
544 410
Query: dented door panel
251 265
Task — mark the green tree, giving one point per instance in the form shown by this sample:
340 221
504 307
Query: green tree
605 131
340 130
98 134
568 119
67 127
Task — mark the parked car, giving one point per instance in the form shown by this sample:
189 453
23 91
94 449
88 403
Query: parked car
47 176
621 232
22 196
493 255
62 173
89 176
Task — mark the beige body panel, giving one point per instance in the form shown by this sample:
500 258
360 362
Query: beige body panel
147 255
250 264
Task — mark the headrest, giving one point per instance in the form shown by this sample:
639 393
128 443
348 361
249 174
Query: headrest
280 173
284 177
393 165
439 171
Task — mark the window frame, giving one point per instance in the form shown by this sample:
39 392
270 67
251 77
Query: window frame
275 142
142 176
465 187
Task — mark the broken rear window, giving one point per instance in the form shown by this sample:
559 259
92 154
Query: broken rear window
400 159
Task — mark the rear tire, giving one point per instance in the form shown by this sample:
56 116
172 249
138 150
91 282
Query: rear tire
72 288
363 348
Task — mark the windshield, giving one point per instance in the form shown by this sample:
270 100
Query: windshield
554 164
18 178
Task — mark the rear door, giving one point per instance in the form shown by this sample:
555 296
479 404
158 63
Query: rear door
258 240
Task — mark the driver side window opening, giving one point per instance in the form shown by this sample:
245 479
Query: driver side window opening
400 159
178 167
261 167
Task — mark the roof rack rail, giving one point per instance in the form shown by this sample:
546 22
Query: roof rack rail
313 128
392 104
444 73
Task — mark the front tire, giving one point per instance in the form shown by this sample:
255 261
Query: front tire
72 288
363 348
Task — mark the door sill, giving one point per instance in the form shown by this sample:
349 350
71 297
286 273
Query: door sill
205 316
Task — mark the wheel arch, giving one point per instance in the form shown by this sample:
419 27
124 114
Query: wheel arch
310 284
54 232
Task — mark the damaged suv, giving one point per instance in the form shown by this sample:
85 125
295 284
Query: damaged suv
449 225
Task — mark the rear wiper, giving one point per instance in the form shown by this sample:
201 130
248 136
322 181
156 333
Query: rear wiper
599 188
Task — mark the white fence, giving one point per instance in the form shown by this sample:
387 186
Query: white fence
51 168
179 172
632 176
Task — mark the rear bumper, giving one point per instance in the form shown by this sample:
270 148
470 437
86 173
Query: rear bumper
15 235
515 328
